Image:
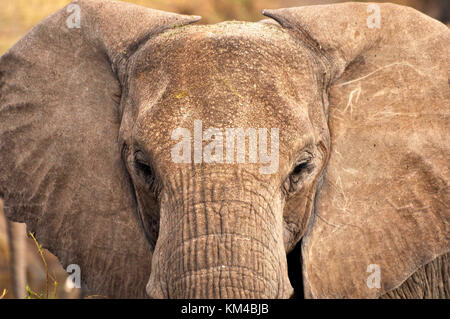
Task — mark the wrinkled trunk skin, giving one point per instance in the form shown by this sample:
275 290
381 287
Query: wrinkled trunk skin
219 240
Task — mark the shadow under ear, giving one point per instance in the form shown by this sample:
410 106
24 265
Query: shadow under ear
294 261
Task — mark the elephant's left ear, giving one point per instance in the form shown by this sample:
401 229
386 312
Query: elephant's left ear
383 210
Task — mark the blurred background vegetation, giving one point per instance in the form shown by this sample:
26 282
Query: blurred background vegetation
17 17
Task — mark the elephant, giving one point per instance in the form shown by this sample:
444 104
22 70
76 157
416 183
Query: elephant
115 150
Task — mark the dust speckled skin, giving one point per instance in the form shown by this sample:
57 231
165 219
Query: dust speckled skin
224 87
79 107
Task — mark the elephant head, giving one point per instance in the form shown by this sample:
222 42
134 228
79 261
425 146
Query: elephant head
186 161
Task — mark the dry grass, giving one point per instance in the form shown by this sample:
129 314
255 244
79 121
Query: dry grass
45 276
32 294
19 16
43 270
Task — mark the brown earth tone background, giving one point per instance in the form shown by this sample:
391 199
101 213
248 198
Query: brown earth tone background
19 16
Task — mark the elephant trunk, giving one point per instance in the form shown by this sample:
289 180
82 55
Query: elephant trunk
216 243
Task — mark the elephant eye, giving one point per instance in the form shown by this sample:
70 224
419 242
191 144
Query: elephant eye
147 176
144 171
298 173
300 168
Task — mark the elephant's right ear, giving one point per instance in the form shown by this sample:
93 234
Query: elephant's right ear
60 166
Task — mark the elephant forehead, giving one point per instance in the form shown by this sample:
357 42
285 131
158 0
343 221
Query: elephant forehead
245 60
241 75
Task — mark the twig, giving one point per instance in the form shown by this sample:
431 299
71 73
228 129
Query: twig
41 253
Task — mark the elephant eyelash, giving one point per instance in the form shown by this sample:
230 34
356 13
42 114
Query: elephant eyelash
303 164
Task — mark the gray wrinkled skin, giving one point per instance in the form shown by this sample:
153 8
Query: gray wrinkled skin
86 117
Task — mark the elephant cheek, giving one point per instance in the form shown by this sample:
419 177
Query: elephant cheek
216 249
